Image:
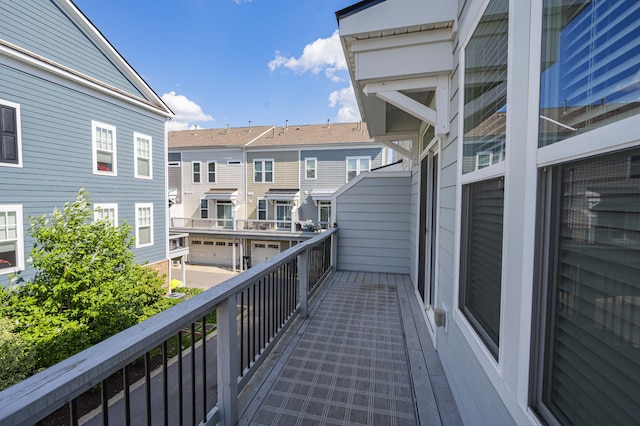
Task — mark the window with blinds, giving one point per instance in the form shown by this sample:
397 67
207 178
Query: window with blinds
485 89
590 66
481 275
590 369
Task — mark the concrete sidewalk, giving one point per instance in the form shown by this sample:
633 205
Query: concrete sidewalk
202 276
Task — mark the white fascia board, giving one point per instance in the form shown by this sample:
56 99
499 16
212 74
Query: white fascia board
392 14
107 48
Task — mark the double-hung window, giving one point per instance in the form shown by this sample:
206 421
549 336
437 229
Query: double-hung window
263 171
262 209
144 224
310 165
196 172
143 165
485 95
104 149
107 211
11 239
204 208
357 165
211 172
10 146
588 365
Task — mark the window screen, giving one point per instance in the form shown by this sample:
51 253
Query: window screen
481 275
591 371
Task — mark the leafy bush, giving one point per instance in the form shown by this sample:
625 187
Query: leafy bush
16 363
87 286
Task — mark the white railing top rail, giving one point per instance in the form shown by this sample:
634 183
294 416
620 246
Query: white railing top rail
33 398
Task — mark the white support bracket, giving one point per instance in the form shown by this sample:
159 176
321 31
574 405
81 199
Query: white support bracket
394 146
390 93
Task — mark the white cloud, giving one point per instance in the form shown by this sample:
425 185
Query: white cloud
323 55
186 111
345 99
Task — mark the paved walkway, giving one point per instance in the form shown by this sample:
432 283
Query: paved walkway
202 276
350 362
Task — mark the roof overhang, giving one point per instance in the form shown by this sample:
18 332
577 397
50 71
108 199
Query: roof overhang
322 195
282 195
222 195
400 55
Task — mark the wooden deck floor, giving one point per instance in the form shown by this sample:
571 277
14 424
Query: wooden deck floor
363 356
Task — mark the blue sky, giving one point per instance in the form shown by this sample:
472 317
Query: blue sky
219 62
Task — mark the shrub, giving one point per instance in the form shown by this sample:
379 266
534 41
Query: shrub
16 362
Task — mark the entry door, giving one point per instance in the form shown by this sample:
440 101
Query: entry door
224 212
283 214
428 226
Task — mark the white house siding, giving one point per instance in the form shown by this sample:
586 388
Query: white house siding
373 215
331 173
227 177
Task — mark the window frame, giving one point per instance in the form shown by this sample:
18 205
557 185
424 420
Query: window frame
358 170
194 173
265 209
307 169
18 133
263 172
215 171
19 240
114 152
138 207
205 209
324 204
136 138
106 206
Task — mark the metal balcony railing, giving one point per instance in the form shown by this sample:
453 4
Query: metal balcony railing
191 360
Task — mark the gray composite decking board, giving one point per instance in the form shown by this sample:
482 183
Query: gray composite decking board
370 305
424 355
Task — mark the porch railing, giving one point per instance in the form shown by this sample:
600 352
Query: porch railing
178 356
191 223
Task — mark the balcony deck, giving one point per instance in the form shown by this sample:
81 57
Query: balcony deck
364 356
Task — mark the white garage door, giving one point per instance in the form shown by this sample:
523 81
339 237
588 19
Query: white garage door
263 250
210 251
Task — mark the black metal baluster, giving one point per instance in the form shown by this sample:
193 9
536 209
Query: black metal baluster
180 378
193 373
204 369
147 377
165 382
73 411
105 402
127 396
253 325
241 332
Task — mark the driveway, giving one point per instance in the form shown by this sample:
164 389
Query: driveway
202 276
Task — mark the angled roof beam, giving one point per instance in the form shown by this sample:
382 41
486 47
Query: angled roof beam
390 93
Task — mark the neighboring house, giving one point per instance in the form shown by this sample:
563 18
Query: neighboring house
75 114
519 128
254 191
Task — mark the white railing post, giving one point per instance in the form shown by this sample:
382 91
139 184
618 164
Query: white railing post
303 277
334 251
228 361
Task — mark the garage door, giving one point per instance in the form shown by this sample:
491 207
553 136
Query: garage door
210 251
263 250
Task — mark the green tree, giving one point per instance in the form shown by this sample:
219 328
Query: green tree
16 362
87 286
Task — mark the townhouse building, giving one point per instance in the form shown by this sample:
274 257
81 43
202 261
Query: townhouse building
245 194
74 114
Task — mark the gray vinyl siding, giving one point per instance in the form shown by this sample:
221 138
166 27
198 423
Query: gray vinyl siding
472 389
331 173
57 156
227 177
414 221
42 28
374 219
